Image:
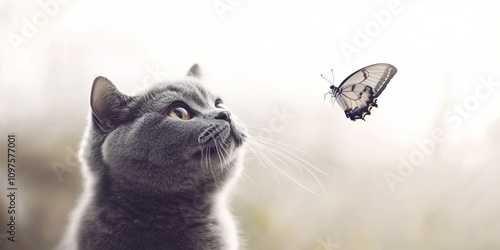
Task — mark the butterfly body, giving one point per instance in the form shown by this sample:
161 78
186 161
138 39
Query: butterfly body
358 93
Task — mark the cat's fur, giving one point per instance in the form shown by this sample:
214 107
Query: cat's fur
154 182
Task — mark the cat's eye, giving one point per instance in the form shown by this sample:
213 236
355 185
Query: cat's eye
219 104
178 112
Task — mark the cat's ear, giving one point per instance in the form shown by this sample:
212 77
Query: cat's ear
107 103
194 71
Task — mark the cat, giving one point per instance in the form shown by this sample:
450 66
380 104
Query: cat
158 168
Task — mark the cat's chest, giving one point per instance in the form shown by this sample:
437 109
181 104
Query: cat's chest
167 231
145 235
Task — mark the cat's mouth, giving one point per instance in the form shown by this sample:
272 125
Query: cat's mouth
221 136
214 135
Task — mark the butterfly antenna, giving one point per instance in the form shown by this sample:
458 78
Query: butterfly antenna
326 79
333 78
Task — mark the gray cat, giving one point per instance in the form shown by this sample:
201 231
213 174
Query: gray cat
158 170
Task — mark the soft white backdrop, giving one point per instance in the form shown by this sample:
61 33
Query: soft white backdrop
265 58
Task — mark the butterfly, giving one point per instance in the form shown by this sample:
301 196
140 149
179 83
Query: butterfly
358 93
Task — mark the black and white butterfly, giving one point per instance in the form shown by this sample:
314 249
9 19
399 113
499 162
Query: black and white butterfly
358 93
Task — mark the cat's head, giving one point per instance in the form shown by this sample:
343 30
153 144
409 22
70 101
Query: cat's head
174 137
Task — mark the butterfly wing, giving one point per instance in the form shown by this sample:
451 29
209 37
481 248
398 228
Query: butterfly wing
358 93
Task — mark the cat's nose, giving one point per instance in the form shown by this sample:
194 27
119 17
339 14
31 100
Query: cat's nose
224 115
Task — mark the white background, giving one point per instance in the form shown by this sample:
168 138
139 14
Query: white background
266 58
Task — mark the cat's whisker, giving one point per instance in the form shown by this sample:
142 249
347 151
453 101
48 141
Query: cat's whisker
204 158
286 145
227 154
246 176
221 163
210 166
260 150
264 165
279 147
277 151
285 153
254 143
289 176
222 160
270 153
300 166
207 158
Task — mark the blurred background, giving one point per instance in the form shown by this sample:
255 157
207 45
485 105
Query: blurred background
421 173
